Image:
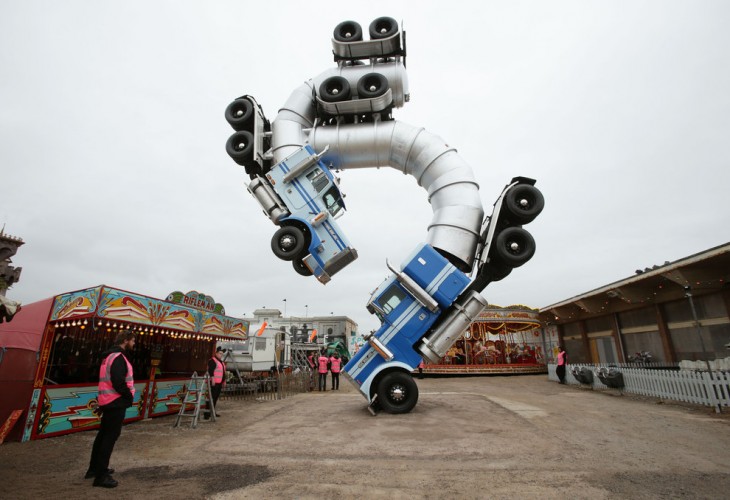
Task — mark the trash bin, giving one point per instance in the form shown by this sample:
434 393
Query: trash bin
583 375
611 377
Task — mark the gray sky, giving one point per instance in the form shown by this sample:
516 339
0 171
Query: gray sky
113 167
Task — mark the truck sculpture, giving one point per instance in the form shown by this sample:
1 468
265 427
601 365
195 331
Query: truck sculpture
345 114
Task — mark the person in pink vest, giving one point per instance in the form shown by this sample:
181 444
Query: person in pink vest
562 362
322 366
116 394
217 373
335 368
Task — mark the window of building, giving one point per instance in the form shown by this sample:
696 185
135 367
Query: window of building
646 341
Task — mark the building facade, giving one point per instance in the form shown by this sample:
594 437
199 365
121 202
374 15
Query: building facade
677 311
302 329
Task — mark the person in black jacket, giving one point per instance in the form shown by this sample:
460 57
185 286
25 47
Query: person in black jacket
116 394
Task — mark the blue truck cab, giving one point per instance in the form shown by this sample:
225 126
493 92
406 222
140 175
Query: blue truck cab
409 304
302 196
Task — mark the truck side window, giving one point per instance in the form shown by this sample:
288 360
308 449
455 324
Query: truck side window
391 298
318 179
332 200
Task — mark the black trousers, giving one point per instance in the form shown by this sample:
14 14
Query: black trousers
111 428
323 381
560 372
335 381
215 391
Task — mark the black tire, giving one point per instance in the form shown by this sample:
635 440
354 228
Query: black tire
514 246
372 85
383 27
523 203
335 89
301 268
240 147
348 31
239 114
397 393
287 242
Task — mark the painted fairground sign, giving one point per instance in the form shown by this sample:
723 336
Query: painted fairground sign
173 341
197 300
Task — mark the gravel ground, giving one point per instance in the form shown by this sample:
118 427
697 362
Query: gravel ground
475 437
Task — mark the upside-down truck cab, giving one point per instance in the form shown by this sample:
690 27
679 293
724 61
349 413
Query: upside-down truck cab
415 301
301 195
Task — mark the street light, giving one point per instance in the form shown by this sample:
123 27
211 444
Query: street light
688 294
306 311
285 308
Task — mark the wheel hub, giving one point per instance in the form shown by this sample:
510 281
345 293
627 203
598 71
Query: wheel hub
397 393
287 242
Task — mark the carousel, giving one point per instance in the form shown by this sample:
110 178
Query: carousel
175 338
502 340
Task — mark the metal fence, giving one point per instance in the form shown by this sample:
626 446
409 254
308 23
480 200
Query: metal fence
698 387
277 386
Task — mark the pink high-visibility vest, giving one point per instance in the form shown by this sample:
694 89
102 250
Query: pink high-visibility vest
107 394
335 367
323 360
219 372
561 358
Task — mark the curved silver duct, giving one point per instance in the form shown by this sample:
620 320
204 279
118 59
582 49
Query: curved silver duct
298 113
449 180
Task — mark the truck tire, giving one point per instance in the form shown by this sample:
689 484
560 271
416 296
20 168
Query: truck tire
372 85
397 393
523 203
514 246
383 27
348 31
301 268
335 89
240 147
239 114
287 242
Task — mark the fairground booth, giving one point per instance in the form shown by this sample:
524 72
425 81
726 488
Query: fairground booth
51 352
501 340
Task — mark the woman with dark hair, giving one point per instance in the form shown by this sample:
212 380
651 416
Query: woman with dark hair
562 362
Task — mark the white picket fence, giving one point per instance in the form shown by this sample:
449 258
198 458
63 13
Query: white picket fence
689 386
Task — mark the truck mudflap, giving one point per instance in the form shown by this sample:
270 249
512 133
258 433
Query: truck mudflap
455 320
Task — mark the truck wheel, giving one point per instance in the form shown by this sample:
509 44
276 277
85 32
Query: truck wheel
383 27
287 243
334 89
301 268
523 203
514 246
239 114
240 146
397 393
372 85
348 31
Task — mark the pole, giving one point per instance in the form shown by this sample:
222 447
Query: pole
688 294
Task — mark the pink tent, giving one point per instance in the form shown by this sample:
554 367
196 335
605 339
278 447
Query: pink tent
20 342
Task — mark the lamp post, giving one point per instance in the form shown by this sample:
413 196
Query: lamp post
306 311
688 294
285 308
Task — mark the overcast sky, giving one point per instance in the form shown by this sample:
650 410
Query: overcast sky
113 167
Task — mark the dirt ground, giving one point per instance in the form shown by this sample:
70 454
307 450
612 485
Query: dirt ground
475 437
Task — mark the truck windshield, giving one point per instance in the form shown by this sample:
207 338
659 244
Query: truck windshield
318 179
391 298
333 201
